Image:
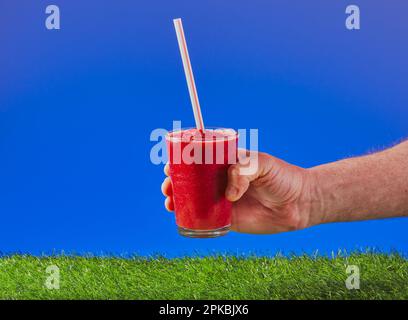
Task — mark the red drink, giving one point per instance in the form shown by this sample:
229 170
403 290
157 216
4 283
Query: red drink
198 171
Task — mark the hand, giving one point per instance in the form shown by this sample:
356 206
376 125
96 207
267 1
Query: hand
277 198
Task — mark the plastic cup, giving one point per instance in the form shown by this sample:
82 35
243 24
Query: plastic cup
198 170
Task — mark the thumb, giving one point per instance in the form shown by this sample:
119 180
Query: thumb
238 184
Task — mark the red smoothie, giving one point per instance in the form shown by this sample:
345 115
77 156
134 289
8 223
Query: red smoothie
198 171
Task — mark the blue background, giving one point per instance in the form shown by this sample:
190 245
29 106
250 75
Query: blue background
77 107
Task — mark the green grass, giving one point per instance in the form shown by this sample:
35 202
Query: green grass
218 277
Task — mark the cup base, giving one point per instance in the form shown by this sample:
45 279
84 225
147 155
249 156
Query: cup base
191 233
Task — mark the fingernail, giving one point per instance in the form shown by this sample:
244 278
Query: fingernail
235 171
232 192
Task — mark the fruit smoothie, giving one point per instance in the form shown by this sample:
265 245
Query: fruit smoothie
198 169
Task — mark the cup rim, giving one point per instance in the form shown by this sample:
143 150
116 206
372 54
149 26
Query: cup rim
234 135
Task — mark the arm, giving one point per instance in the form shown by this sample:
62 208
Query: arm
282 197
369 187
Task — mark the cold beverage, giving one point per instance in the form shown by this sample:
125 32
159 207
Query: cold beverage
198 169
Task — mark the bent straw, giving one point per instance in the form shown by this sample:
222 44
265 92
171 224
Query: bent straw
189 74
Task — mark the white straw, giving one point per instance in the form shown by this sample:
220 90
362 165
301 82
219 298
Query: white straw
189 74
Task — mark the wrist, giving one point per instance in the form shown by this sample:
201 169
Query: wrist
313 198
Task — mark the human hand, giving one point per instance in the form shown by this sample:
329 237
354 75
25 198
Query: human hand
276 198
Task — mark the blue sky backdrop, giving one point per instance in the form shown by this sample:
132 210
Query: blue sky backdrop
77 106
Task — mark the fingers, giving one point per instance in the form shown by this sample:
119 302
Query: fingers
166 187
237 185
167 190
167 170
251 166
169 204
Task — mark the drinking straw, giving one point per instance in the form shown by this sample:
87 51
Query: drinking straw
189 74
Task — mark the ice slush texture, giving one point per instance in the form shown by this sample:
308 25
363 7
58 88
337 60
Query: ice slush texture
199 186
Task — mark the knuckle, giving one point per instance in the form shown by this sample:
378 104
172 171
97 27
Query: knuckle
294 222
